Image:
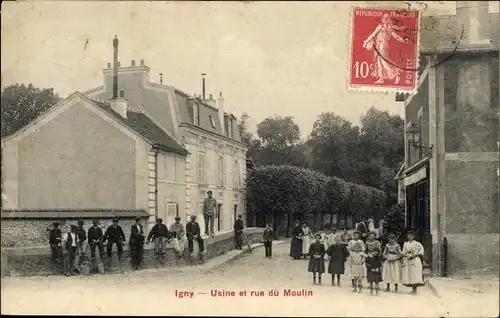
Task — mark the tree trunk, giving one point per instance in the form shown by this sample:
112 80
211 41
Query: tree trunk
338 219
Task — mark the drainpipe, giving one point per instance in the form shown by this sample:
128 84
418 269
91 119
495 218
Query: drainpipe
156 184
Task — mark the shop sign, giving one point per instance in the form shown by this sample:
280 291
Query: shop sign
416 177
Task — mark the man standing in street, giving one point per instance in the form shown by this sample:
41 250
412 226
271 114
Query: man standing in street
114 235
95 238
362 228
209 211
70 246
193 232
179 236
55 240
82 246
268 240
159 234
136 243
238 232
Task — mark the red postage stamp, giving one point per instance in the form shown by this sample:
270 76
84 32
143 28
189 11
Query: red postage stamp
384 50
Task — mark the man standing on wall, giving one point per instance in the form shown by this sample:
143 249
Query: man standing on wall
238 232
193 233
179 236
209 210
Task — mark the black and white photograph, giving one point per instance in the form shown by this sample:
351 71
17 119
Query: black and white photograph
250 158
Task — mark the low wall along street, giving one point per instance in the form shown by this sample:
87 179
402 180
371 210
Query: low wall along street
23 260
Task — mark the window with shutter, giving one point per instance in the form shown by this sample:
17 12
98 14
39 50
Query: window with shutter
235 173
201 167
220 170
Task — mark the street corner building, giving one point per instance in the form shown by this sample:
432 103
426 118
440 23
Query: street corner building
450 181
125 149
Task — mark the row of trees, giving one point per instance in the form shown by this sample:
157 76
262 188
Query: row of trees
289 192
370 154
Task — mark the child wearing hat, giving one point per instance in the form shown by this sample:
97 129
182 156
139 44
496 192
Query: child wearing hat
317 260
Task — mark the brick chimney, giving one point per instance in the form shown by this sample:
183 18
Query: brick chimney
473 20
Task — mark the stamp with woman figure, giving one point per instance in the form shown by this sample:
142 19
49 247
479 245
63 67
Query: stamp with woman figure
384 50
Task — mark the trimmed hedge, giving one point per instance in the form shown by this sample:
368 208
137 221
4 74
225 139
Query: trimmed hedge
289 190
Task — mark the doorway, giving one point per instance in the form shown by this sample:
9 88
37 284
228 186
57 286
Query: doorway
218 217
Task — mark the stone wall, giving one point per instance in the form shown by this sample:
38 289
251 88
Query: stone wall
473 253
36 260
35 232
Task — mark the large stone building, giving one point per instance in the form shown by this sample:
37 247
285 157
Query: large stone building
131 146
452 156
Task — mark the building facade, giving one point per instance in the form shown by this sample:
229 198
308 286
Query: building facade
82 158
450 176
216 157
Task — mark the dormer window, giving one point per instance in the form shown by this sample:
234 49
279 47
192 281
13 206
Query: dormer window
212 121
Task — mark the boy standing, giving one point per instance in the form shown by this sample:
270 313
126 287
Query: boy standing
268 240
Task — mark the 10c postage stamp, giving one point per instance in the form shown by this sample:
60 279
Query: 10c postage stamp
384 50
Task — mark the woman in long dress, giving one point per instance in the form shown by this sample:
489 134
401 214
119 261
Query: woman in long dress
306 239
412 269
356 261
391 271
378 41
296 244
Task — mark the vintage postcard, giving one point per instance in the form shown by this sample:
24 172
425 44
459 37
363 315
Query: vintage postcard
251 158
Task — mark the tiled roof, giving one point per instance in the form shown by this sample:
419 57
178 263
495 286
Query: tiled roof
71 213
144 126
185 104
440 32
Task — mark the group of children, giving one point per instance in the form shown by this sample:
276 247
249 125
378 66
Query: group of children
365 257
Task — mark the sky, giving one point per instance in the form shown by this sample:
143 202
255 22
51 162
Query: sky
267 58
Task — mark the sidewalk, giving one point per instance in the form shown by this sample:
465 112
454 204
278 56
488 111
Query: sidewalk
475 285
211 264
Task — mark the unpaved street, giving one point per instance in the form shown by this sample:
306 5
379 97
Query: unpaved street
157 293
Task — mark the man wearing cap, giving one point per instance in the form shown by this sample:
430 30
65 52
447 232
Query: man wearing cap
209 211
193 232
114 235
179 236
159 233
82 237
70 249
95 237
238 232
136 243
55 240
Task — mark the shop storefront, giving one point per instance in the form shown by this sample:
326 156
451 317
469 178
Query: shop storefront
418 212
